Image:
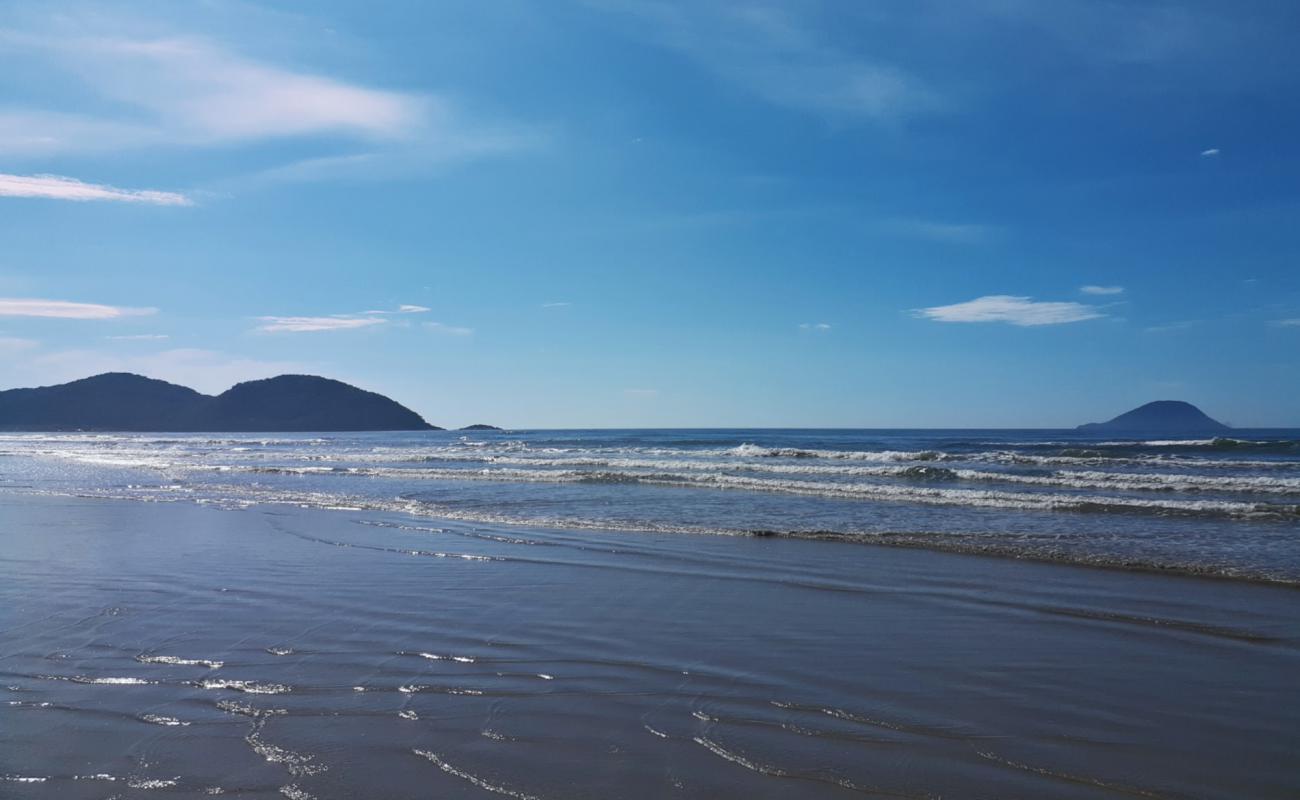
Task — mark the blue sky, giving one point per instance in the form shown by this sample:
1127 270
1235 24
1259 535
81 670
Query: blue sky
632 213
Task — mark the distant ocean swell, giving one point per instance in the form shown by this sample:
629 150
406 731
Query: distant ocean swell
1228 506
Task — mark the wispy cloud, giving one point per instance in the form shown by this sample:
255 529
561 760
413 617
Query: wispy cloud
1101 290
185 91
1171 327
12 345
952 232
556 305
189 90
57 187
402 309
450 330
334 322
1288 323
820 327
64 309
140 337
315 324
1023 311
773 55
1213 151
641 392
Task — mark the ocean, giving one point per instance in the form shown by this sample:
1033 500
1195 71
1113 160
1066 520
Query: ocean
1218 506
545 615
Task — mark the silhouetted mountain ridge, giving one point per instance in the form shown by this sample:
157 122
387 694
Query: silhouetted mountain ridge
1161 416
121 401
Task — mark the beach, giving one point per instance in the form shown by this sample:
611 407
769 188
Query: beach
181 649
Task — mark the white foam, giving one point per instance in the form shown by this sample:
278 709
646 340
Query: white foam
188 662
152 783
246 686
474 779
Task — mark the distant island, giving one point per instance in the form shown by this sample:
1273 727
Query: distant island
120 401
480 427
1161 416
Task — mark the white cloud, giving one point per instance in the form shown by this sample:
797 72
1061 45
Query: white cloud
340 322
402 309
191 90
1103 290
57 187
152 91
314 324
1288 323
1023 311
953 232
815 326
450 330
140 337
1213 151
556 305
63 309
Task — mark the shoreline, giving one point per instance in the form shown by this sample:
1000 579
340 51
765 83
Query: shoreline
950 543
273 646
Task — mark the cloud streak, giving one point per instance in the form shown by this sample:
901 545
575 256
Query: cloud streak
1101 290
951 232
776 57
193 91
1014 310
450 330
186 91
57 187
64 309
342 322
315 324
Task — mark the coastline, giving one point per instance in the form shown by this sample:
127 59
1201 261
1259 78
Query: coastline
517 657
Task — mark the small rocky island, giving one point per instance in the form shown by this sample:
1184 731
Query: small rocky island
1161 416
480 427
120 401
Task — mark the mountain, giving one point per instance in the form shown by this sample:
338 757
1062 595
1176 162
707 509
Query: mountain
118 401
308 403
115 401
1162 416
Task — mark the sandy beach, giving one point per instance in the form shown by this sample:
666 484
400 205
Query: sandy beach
177 649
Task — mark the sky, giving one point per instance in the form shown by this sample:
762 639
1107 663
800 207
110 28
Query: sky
630 213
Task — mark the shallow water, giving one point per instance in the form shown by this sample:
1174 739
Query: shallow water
172 649
1226 506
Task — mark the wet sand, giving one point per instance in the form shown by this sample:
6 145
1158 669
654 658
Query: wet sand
171 649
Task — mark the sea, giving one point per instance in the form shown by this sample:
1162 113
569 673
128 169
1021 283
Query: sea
559 615
1226 506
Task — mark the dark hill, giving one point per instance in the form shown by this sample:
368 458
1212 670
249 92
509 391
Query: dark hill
480 427
1162 416
112 401
125 402
308 403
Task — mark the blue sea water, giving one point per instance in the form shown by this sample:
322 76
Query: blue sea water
1221 506
547 615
